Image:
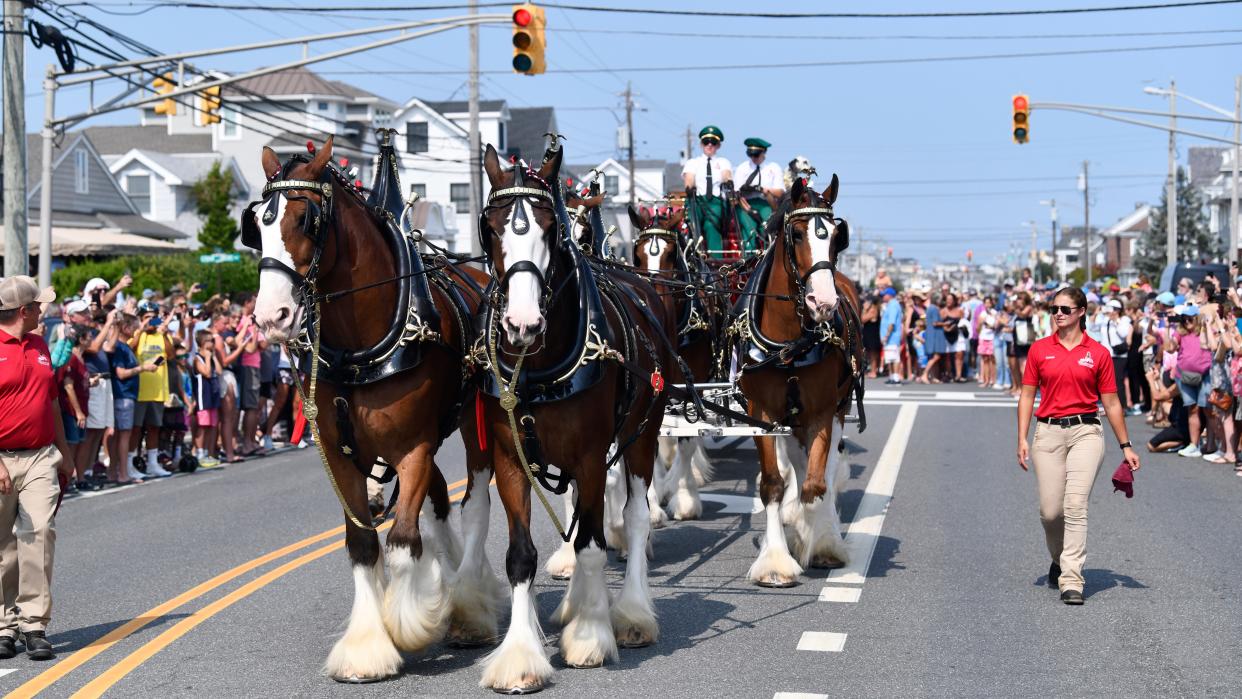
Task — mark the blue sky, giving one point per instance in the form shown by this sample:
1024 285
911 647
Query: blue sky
923 149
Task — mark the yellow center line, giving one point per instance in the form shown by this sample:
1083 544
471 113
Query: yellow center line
45 679
105 681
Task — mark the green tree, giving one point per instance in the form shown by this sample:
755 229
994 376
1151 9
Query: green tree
1195 242
213 194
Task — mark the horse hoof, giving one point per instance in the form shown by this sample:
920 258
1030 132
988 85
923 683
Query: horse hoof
634 638
827 563
354 679
775 580
562 575
529 685
589 665
467 638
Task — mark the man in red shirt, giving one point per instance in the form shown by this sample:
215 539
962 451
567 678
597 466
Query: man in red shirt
32 447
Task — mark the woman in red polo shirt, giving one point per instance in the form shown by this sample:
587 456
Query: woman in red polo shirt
1072 373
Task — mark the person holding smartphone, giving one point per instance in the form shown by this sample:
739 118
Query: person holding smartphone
153 348
1073 373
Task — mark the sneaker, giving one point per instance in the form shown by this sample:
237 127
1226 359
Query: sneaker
267 442
37 646
208 462
1191 450
157 471
1072 597
1136 410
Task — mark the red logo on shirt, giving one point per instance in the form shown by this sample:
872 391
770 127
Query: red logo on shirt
1087 361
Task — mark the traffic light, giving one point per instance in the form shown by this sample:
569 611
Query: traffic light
1021 119
162 86
529 40
209 106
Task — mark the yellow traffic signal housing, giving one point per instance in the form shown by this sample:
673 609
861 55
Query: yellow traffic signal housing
162 86
1021 119
529 39
209 106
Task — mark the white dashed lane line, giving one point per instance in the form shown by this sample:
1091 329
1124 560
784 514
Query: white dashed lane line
798 695
822 641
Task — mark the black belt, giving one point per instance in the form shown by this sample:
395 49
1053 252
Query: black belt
1085 419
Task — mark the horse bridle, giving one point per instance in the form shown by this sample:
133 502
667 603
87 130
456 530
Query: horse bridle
319 216
816 227
520 224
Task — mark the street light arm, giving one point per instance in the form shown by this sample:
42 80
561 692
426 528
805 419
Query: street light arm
1093 112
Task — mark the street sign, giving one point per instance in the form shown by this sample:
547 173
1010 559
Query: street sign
219 257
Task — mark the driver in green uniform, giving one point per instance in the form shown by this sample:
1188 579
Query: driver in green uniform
761 187
705 178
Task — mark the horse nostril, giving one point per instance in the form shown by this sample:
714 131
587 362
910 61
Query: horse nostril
283 314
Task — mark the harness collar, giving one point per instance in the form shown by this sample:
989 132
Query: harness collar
519 192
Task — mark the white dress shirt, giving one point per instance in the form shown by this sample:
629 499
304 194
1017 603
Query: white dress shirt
770 175
698 167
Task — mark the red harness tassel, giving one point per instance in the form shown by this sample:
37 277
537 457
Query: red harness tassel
479 427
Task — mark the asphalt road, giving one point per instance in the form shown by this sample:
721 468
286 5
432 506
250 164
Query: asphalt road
952 602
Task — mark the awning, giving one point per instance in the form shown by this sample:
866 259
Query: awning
73 242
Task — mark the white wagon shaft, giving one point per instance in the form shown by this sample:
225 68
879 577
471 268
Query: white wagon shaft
676 423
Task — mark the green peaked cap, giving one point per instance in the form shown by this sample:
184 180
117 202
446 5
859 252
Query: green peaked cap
757 143
711 131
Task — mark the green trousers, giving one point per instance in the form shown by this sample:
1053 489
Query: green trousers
711 222
752 230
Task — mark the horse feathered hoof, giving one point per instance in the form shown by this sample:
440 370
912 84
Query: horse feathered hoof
776 580
462 637
525 688
827 562
355 679
634 637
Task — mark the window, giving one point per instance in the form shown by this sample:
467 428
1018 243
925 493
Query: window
459 194
230 122
323 106
500 140
419 190
139 189
81 171
416 138
612 184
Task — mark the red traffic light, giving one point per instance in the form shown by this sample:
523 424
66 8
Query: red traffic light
1020 103
522 17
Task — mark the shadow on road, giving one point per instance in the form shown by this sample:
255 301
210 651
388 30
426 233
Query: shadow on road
87 636
1099 580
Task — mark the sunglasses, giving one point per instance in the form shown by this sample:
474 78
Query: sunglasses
754 153
710 142
1062 310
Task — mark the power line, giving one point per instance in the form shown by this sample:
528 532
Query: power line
986 180
710 13
849 63
878 37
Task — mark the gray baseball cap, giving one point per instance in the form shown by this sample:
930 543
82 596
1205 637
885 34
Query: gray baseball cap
20 290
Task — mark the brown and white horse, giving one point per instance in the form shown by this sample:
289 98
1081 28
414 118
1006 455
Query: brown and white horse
662 252
537 304
316 228
805 382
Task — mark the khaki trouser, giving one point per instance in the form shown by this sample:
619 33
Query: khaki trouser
1066 461
28 534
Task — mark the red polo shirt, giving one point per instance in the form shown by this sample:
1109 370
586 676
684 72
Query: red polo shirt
27 389
1070 381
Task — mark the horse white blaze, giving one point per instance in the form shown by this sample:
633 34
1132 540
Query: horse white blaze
655 250
275 309
523 313
821 285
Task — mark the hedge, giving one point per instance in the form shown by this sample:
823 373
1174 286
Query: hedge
161 272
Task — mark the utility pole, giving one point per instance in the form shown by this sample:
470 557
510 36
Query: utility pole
1035 268
16 259
476 177
1170 219
629 134
1086 218
689 143
1234 240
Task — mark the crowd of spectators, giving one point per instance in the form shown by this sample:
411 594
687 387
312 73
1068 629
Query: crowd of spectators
142 373
1176 354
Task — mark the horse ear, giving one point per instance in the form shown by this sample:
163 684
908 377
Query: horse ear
797 191
491 165
841 240
830 194
322 158
637 218
271 163
552 167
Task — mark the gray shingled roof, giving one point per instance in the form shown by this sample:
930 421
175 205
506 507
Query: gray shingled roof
297 81
119 140
462 106
1203 164
527 127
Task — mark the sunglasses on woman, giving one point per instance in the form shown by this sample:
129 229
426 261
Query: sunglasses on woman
1062 310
